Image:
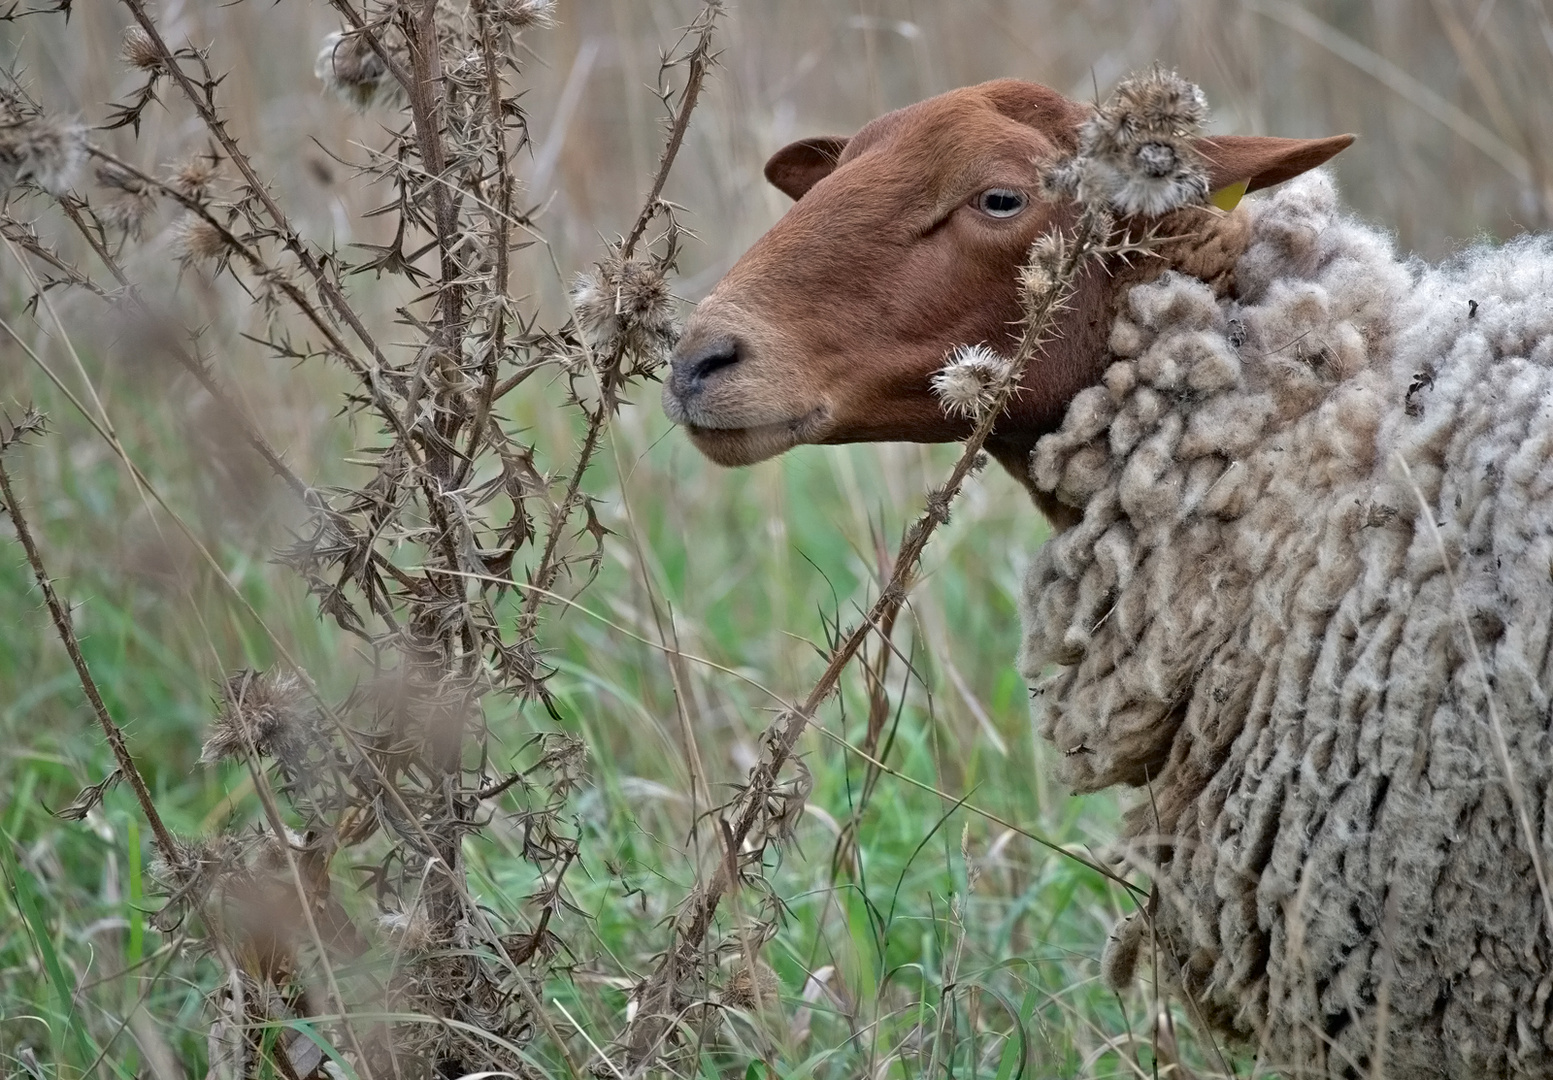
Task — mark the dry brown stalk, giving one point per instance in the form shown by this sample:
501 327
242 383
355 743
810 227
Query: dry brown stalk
698 60
60 614
202 97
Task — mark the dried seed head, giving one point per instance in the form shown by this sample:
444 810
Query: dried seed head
626 305
42 150
752 988
197 867
128 212
194 176
198 241
411 931
132 202
263 709
353 72
139 51
1156 106
1136 153
519 14
972 864
1047 262
1037 278
968 383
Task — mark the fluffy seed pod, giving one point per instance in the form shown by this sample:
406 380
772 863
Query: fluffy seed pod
194 176
131 203
1136 153
40 150
626 305
351 71
968 382
196 240
520 14
752 988
139 51
266 709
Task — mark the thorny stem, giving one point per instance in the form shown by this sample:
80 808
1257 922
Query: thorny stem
700 60
61 616
501 238
644 1036
427 108
549 566
256 263
876 675
288 236
190 362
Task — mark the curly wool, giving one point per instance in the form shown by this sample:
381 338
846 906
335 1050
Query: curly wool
1257 619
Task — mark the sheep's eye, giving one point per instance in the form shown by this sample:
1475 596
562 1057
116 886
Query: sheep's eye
1000 202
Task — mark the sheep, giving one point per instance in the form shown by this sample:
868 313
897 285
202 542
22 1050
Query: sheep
1309 604
1301 592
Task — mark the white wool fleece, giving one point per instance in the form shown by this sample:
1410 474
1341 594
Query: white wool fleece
1256 618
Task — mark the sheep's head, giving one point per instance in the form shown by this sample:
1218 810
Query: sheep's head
904 242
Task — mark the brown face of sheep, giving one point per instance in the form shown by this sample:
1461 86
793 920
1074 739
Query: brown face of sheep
905 242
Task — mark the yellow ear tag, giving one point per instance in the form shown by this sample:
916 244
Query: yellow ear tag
1228 197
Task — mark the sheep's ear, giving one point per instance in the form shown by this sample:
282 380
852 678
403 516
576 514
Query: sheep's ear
798 166
1241 163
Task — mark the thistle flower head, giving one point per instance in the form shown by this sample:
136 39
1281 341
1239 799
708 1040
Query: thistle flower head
1136 153
139 51
520 14
752 987
194 176
41 150
130 204
626 304
968 383
196 240
351 71
261 711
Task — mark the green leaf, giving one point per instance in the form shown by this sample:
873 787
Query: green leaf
24 888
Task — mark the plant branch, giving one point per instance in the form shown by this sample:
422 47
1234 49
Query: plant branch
61 616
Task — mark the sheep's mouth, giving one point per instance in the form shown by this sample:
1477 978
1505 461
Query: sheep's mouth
736 446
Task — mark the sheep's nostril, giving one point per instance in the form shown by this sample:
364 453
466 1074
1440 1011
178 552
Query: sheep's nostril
698 365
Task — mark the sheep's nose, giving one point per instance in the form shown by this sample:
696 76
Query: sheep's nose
693 366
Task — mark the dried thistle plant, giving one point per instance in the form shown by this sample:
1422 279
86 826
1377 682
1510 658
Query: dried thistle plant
351 71
373 793
38 149
967 383
1135 153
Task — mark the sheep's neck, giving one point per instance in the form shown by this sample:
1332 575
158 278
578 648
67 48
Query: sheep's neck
1210 244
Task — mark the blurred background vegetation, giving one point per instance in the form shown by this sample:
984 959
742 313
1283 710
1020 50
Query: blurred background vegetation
753 568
